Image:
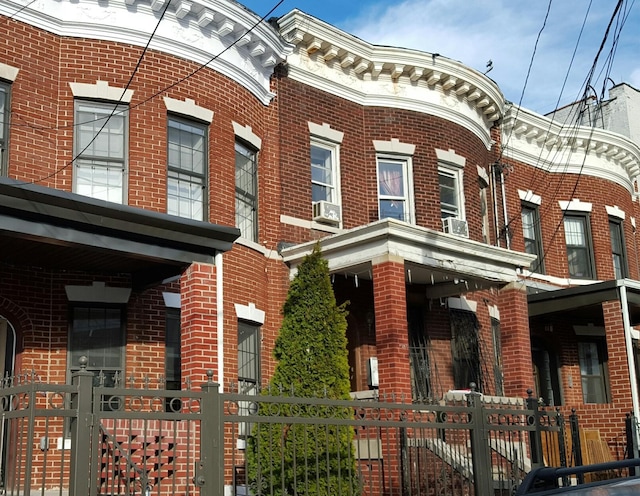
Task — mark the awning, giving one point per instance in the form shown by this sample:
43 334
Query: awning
49 228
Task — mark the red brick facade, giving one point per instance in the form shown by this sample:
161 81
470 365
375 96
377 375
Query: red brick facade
402 281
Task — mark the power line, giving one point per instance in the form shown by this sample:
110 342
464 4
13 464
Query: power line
115 111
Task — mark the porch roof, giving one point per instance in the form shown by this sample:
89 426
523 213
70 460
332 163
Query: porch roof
585 301
50 228
447 264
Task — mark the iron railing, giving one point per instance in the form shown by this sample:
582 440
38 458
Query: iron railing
81 439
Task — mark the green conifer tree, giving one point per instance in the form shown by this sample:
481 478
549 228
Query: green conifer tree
312 362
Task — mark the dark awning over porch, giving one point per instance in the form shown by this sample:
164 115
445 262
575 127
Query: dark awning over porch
586 301
44 227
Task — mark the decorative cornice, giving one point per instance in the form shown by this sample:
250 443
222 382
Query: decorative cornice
203 31
541 142
339 63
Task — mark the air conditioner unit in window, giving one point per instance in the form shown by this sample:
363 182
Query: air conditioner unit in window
455 226
327 213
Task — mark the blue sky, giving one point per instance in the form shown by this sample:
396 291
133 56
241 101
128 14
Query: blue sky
503 31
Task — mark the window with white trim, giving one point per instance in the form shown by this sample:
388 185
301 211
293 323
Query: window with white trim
324 172
450 181
100 150
187 168
394 198
577 235
4 127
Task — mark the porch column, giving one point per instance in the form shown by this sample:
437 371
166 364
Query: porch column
516 341
199 337
392 336
618 366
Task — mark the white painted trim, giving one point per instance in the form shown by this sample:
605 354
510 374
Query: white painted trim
188 108
409 196
98 292
450 158
101 91
633 222
615 211
325 131
200 31
575 205
8 72
171 300
394 146
545 144
462 304
250 313
494 312
458 172
247 134
529 197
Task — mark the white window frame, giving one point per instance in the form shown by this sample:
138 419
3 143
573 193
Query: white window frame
397 152
325 137
334 186
452 164
83 158
407 187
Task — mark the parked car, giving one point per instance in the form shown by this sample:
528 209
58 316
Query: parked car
620 480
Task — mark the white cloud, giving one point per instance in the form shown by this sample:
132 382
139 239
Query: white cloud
505 32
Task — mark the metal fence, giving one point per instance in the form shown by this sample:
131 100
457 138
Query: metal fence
81 439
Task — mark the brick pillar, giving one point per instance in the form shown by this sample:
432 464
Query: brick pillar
618 367
516 341
198 323
392 335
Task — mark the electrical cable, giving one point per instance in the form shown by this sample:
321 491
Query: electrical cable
154 95
116 105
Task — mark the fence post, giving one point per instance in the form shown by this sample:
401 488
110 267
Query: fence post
80 426
576 445
210 468
480 453
535 436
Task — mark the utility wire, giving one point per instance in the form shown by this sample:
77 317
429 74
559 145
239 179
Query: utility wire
115 107
588 79
158 93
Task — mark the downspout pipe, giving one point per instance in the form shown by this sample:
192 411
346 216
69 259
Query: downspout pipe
630 358
220 317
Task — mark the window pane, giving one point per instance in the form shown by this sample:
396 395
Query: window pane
574 232
578 250
394 209
98 334
391 179
187 165
448 194
322 174
172 349
617 250
248 352
246 192
100 151
592 372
